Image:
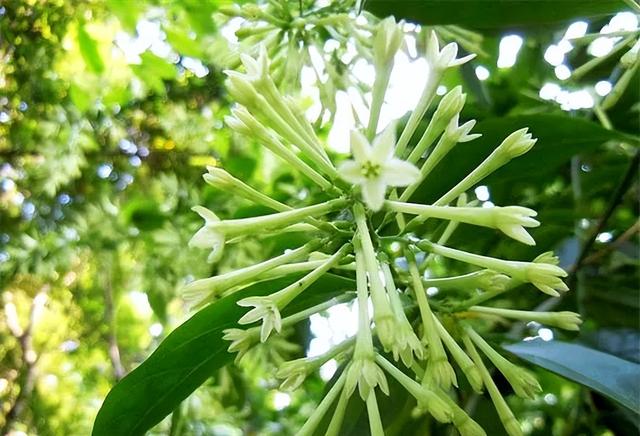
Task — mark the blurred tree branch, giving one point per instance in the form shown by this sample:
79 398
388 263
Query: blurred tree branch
27 376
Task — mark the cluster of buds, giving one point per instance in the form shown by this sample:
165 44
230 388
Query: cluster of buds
295 37
626 49
405 325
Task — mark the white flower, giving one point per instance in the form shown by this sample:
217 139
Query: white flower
445 58
460 133
265 308
365 373
295 372
375 168
207 236
511 221
406 344
545 275
241 341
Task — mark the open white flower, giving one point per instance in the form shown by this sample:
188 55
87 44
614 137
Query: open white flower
207 236
445 58
375 168
265 308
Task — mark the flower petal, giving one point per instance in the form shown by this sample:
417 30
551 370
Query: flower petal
398 172
384 144
373 193
360 147
206 237
205 213
351 171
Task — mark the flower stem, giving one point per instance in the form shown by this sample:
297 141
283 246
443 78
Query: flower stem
379 90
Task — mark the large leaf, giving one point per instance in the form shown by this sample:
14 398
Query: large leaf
613 377
559 138
187 357
89 50
488 14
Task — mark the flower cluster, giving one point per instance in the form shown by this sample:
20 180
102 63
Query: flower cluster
352 230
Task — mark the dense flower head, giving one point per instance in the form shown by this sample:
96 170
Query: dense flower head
366 198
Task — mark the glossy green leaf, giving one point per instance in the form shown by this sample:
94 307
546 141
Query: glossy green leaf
613 377
488 14
188 356
89 50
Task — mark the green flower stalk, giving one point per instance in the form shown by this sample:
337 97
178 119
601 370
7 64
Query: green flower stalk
448 109
202 291
523 383
463 422
387 41
564 320
440 61
296 371
510 423
313 422
514 145
268 308
439 369
464 362
363 371
375 421
383 315
244 123
406 344
427 399
452 135
486 279
510 220
543 275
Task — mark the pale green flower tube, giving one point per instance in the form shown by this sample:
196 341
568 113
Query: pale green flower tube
564 320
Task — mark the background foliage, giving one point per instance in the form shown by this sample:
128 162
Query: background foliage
109 111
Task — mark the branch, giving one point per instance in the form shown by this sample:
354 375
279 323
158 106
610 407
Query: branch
616 199
27 375
110 321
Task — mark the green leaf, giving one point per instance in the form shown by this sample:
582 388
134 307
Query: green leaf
559 138
492 14
182 42
127 12
89 50
613 377
190 355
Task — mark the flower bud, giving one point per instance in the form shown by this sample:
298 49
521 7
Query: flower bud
523 382
427 399
241 340
451 104
387 41
241 89
366 374
511 221
632 56
516 144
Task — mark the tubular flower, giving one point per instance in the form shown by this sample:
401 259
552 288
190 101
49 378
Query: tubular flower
358 243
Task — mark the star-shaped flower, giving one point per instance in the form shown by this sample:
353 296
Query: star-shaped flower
207 236
375 168
265 309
